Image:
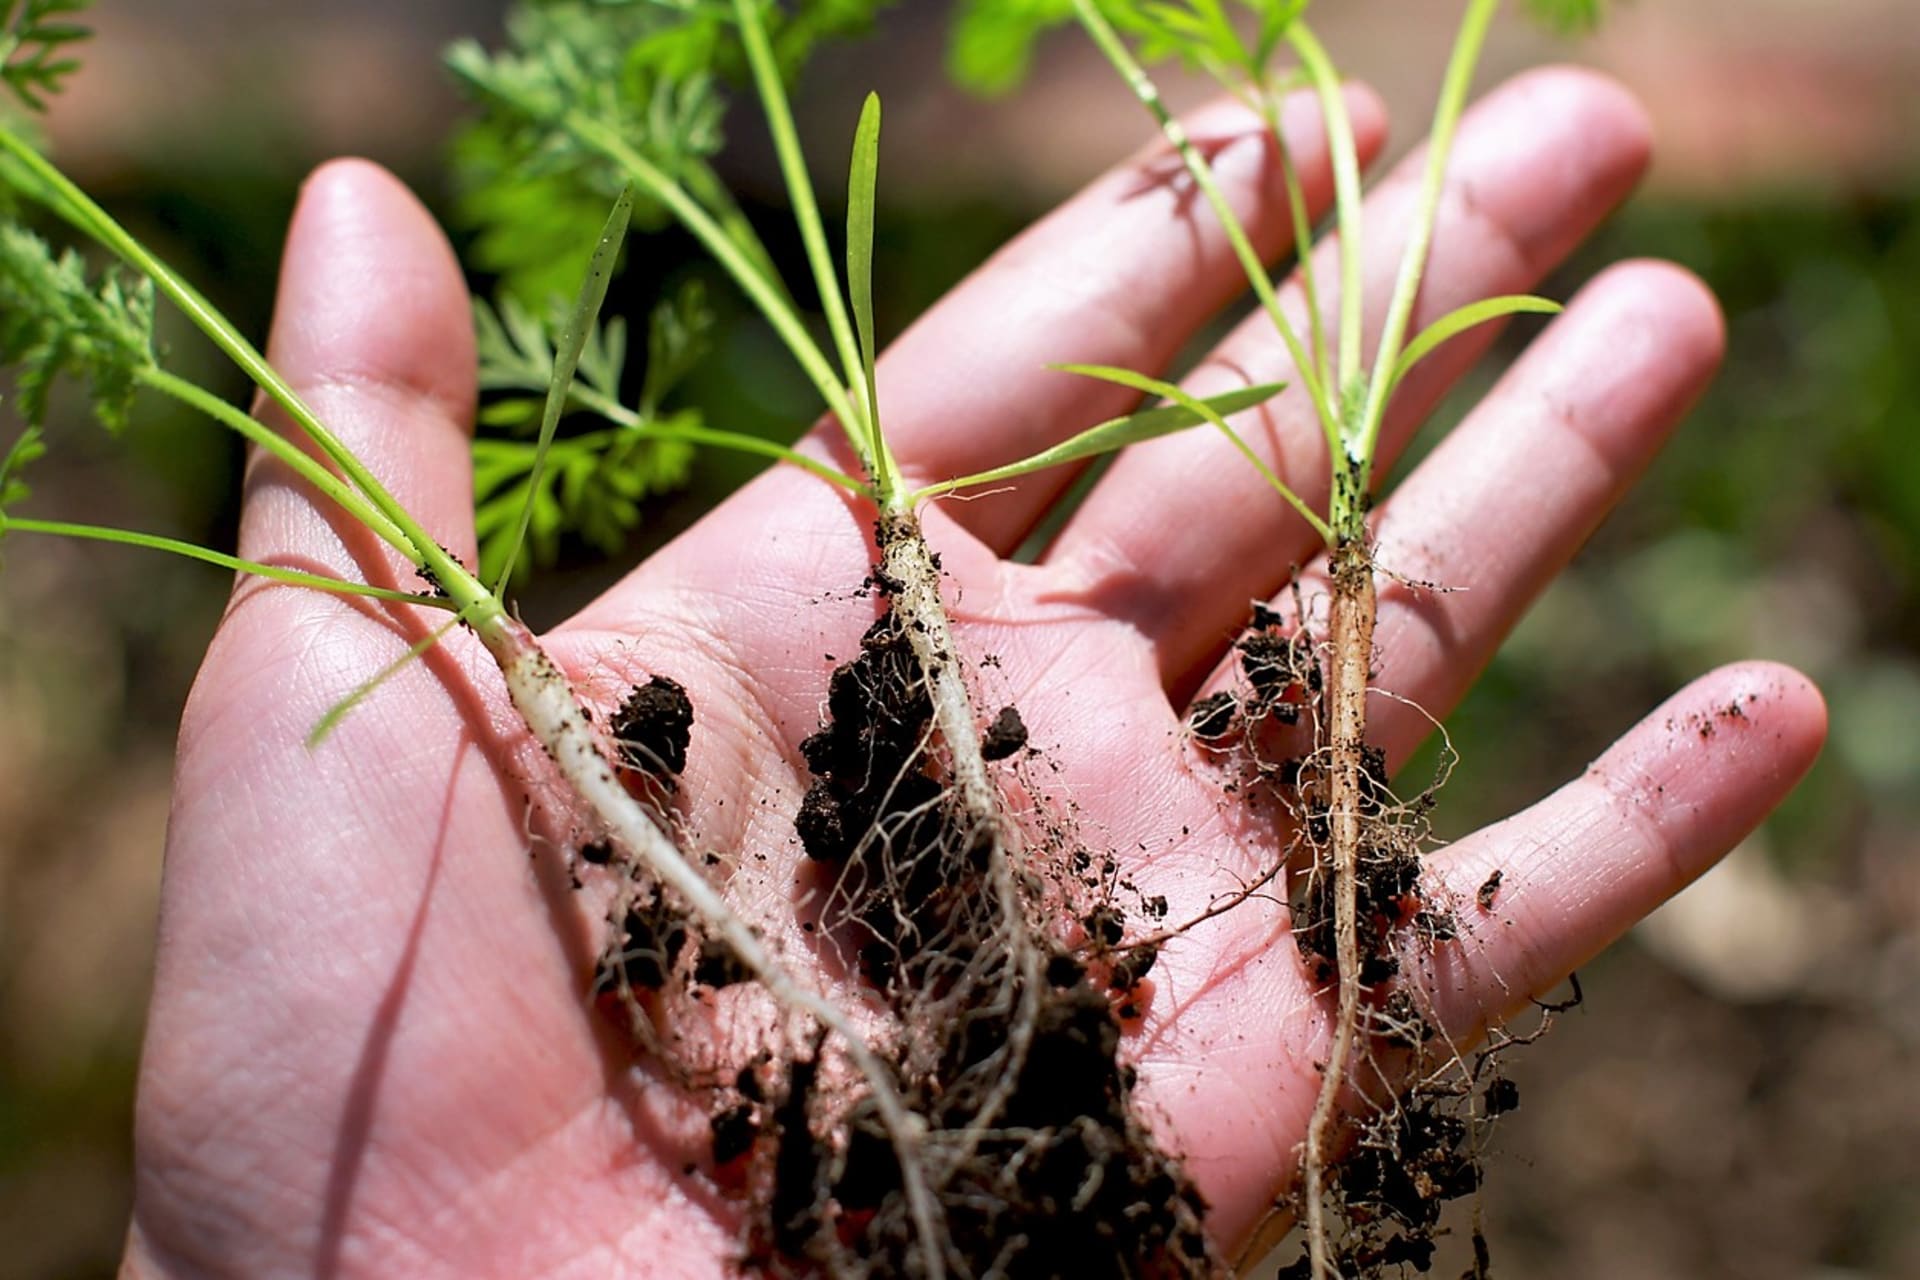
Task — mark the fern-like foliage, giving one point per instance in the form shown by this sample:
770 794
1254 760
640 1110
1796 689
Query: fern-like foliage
36 40
54 320
1569 17
596 483
650 73
992 45
26 450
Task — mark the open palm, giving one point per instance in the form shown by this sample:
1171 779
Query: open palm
370 1050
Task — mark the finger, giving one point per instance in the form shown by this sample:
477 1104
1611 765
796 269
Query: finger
1649 817
1506 501
1182 532
1122 274
1578 869
372 327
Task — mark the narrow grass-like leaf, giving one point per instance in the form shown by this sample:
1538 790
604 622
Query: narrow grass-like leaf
1455 323
194 551
1115 433
862 183
573 339
1206 412
339 710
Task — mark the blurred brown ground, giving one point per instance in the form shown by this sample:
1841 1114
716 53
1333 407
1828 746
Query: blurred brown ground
1736 1099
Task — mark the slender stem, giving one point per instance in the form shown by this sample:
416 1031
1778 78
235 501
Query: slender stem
704 185
194 551
1116 52
630 422
1302 238
296 458
1413 263
806 209
771 300
70 202
1346 195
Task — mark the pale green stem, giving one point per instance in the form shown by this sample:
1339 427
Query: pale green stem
1143 87
71 203
806 209
1346 196
296 458
631 422
1302 238
194 551
768 297
1413 263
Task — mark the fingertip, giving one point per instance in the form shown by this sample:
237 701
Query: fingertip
1608 113
1581 140
1711 763
1691 320
372 295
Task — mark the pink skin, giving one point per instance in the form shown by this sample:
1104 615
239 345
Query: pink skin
369 1051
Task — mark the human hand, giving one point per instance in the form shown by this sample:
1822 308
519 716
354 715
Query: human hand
370 1049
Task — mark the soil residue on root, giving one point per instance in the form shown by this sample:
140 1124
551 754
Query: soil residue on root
1038 1163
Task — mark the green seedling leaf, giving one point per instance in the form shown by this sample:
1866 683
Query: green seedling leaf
340 710
28 449
35 47
991 48
1206 412
1455 323
862 184
207 555
1569 17
573 340
1116 433
54 321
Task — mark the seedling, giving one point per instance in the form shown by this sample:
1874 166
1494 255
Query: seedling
999 1059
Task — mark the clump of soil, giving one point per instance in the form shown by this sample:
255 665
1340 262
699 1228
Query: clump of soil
652 728
1010 1052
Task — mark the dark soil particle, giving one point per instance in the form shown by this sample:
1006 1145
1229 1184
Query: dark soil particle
1106 926
719 965
1131 967
1489 890
1006 735
1211 718
652 728
795 1206
651 939
733 1133
1502 1096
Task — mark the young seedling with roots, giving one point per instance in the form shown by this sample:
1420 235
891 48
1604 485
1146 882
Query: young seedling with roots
935 846
1348 373
943 1092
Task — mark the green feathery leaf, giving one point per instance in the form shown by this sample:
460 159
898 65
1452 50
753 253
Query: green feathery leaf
582 322
595 484
53 320
1569 17
648 72
992 44
36 47
28 449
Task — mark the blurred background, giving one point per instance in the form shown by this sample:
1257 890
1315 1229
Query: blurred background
1735 1099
